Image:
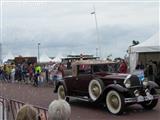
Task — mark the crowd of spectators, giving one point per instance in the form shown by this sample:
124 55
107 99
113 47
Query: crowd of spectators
30 73
40 73
151 70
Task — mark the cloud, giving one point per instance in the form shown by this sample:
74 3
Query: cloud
113 40
66 28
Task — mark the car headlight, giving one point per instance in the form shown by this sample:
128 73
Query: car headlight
127 82
145 82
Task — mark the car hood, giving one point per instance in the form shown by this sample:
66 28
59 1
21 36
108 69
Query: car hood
105 75
120 77
115 76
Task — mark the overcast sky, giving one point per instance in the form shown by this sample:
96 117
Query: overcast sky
69 28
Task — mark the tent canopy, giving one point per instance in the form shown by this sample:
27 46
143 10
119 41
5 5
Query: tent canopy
44 58
58 58
148 49
150 45
8 56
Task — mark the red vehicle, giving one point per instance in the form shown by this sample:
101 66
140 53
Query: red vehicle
96 81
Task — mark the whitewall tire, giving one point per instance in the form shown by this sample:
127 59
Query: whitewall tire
115 102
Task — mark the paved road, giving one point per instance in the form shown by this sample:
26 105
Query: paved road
42 96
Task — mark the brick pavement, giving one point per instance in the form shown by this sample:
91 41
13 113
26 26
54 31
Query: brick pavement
43 95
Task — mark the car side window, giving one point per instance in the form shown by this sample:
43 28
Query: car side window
96 68
84 69
100 68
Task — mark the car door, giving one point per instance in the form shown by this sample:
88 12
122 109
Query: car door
82 80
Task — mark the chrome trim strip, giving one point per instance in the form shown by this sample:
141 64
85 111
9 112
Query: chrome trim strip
128 76
127 79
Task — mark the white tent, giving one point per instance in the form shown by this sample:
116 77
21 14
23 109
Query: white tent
58 58
150 45
149 49
8 56
44 58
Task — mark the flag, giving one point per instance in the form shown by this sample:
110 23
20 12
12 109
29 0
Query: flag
93 12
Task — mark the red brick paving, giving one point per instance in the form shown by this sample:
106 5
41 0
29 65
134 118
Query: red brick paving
42 96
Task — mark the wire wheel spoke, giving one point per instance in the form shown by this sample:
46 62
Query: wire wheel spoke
95 90
114 101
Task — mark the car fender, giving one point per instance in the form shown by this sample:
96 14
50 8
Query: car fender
152 84
116 87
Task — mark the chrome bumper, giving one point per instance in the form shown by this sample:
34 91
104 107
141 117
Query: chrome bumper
141 98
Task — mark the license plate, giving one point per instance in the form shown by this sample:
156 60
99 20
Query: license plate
149 97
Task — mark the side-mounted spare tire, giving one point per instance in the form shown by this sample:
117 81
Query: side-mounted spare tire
95 89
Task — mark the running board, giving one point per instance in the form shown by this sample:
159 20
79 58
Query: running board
80 98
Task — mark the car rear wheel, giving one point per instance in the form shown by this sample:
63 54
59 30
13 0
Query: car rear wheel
61 92
115 102
95 89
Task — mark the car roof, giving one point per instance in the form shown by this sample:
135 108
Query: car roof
92 62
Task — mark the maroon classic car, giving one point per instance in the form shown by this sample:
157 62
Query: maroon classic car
96 81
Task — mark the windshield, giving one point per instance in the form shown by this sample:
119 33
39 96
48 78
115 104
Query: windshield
104 68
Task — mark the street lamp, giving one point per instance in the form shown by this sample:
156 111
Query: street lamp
98 38
96 52
38 52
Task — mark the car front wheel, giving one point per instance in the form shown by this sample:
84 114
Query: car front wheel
115 102
148 105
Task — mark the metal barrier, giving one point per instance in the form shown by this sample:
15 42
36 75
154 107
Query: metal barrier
16 105
11 107
3 110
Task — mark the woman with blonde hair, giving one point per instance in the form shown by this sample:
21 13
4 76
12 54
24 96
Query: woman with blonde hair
27 112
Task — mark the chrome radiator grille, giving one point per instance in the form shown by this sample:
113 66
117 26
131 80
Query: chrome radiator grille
135 82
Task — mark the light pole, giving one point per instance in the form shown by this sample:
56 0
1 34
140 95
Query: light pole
38 52
98 49
96 52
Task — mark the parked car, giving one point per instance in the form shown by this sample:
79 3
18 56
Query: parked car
96 81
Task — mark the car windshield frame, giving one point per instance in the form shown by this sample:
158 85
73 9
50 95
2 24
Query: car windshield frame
109 68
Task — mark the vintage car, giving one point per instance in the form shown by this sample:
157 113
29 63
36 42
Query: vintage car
96 81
